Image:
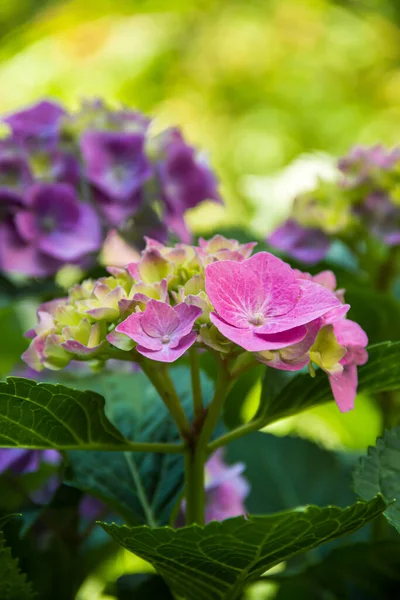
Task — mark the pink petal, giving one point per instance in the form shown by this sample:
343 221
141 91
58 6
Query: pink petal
132 328
168 354
187 315
252 341
314 302
159 319
344 388
349 333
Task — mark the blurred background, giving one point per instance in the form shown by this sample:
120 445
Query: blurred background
271 90
254 83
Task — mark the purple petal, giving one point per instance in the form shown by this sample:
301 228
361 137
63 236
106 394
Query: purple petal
40 119
133 329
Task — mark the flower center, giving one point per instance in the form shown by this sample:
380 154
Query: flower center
48 223
165 339
257 319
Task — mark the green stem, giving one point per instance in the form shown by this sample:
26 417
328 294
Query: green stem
159 376
196 382
215 408
240 431
158 447
194 485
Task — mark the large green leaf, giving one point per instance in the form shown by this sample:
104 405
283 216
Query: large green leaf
44 415
217 561
285 472
142 487
13 584
379 374
379 472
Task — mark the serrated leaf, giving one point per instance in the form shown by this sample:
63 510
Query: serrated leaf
380 373
379 472
44 415
142 487
13 584
217 561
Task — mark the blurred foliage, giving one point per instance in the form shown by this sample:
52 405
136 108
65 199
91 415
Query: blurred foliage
255 83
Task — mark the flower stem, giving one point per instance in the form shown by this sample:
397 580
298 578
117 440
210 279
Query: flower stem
194 485
196 382
161 380
215 408
240 431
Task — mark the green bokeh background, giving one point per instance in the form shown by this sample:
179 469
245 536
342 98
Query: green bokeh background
253 83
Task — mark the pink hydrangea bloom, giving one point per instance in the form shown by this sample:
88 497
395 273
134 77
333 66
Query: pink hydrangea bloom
162 332
344 386
261 304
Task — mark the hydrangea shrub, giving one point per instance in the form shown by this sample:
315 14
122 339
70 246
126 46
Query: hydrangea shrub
130 426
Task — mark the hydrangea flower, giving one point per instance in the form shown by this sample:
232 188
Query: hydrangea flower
18 460
119 176
362 201
306 244
162 332
261 305
52 228
213 295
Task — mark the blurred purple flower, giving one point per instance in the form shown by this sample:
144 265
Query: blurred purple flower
381 217
306 244
185 179
225 489
19 460
40 120
363 162
51 229
116 163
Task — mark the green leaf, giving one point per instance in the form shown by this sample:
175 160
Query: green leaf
376 312
142 487
379 374
217 561
285 472
379 473
13 584
44 415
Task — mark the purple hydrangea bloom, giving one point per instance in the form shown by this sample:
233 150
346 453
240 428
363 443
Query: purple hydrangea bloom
260 304
162 332
362 163
51 229
19 460
306 244
116 163
225 490
381 217
185 178
40 120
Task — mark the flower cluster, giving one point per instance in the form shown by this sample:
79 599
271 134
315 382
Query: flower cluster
364 200
67 180
215 295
